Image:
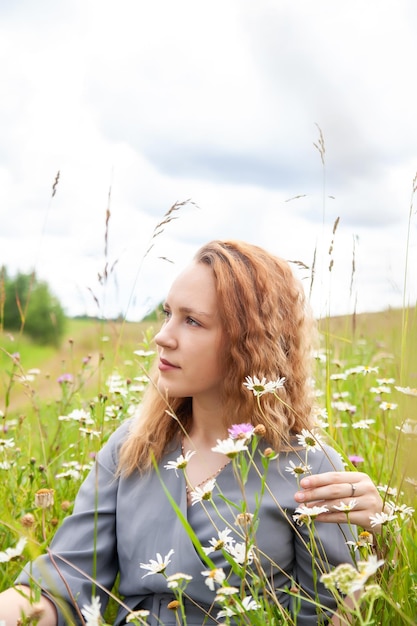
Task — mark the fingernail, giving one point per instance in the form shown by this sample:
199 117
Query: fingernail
299 496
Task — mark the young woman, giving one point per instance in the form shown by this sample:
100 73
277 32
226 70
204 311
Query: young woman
236 311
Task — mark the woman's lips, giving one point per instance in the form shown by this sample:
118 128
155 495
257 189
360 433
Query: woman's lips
165 365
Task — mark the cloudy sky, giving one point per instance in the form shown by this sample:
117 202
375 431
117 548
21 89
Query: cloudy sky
274 118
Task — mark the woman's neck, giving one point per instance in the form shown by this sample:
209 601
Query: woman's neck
207 425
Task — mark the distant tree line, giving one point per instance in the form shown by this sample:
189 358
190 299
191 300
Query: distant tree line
27 305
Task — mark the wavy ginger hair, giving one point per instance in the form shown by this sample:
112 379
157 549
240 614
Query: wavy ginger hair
268 331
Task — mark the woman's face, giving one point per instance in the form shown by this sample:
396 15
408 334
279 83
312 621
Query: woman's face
189 342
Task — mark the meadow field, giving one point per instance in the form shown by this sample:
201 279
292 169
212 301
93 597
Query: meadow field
58 407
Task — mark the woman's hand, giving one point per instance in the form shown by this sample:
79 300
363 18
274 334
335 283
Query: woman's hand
333 488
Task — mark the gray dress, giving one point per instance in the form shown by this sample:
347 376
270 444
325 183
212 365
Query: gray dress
121 522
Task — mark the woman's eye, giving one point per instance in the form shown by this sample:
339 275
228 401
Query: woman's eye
192 322
166 313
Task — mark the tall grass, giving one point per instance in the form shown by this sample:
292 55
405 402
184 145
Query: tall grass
58 409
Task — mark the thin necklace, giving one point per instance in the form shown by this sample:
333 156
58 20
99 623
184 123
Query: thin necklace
188 487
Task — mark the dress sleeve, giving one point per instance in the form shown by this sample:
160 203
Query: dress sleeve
82 558
327 550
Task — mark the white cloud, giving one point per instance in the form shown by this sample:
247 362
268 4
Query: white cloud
218 102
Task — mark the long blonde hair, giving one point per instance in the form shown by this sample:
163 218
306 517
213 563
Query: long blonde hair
269 331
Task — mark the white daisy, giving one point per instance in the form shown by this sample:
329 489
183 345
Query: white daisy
135 615
181 462
388 406
346 507
241 553
408 391
304 513
261 386
308 440
12 553
223 539
178 580
381 518
230 447
159 566
199 494
298 470
214 576
91 612
7 443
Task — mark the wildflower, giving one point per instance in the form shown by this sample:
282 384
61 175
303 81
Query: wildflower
178 580
12 553
259 430
306 513
338 376
181 462
345 507
308 440
134 615
44 498
213 576
408 391
362 369
230 447
198 494
344 407
380 390
27 520
89 432
5 465
363 424
241 553
321 413
371 593
347 579
381 518
247 604
403 510
77 415
117 385
341 395
241 431
6 443
220 542
144 353
387 490
367 569
260 387
385 381
92 612
70 473
365 539
65 379
244 519
225 592
270 454
355 459
298 470
159 566
388 406
409 427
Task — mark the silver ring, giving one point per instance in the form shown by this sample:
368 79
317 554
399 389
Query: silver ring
353 489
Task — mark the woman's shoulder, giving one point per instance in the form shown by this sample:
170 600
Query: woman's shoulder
109 453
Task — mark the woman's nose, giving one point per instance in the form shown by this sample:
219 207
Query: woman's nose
166 337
